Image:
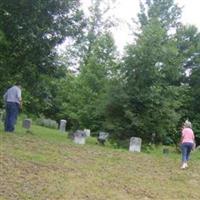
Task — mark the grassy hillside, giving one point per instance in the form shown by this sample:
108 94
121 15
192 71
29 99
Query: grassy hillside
47 165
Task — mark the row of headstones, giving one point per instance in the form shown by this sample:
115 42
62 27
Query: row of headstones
79 136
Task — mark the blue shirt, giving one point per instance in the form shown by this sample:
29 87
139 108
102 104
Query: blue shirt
13 94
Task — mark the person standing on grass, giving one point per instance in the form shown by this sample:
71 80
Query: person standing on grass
13 102
187 143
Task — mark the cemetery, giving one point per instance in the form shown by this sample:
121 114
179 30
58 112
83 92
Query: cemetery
49 165
99 100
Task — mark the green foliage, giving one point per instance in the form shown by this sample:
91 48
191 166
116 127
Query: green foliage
49 123
152 89
84 97
189 47
151 71
165 11
32 30
149 96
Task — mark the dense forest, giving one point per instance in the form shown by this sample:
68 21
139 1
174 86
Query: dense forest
152 89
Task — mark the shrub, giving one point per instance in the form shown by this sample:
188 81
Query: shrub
47 123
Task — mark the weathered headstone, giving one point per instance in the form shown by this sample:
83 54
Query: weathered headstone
27 124
79 137
103 136
135 144
87 132
63 123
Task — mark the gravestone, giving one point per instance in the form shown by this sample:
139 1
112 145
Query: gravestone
87 132
79 137
27 124
135 144
63 123
103 136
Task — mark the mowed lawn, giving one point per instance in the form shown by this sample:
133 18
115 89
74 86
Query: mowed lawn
46 165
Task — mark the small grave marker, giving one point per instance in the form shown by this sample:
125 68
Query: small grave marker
103 136
135 144
27 124
87 132
63 123
79 137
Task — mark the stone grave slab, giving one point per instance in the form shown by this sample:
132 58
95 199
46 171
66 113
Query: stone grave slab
87 132
103 136
135 144
63 123
79 137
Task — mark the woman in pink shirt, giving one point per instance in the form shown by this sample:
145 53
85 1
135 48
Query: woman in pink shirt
187 143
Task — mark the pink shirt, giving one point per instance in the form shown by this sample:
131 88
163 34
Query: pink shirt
187 135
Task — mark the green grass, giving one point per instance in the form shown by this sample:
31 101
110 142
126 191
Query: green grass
46 164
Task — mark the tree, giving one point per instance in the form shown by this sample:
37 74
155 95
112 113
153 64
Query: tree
85 101
98 23
151 75
95 57
33 28
165 11
188 38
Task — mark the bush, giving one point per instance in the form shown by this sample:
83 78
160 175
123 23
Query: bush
47 123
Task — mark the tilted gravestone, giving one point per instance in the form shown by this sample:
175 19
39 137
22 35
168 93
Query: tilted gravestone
103 136
63 123
135 144
79 137
87 132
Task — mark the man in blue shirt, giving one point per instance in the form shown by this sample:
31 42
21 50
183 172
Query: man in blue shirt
13 101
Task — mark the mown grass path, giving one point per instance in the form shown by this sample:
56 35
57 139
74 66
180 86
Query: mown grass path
46 165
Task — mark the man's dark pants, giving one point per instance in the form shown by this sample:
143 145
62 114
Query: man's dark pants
12 111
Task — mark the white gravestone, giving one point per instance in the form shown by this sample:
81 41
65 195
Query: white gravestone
135 144
63 123
79 137
87 132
